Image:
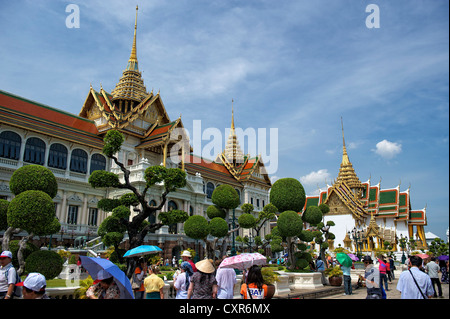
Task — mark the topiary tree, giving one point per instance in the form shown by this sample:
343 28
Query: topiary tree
225 198
46 262
32 209
290 225
248 221
288 196
197 227
137 228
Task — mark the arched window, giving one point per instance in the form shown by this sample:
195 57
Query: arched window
78 161
10 143
191 211
34 151
173 229
209 189
57 156
98 163
152 218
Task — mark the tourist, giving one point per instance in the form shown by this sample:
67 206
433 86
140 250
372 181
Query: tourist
8 276
138 277
104 287
372 278
34 286
174 261
320 266
347 280
392 266
443 266
254 287
153 284
432 270
226 279
182 281
415 284
203 283
186 256
383 270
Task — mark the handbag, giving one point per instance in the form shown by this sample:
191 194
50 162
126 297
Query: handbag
135 284
417 284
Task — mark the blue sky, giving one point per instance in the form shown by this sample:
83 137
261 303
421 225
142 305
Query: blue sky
293 65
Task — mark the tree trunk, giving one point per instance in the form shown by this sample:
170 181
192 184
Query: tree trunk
291 256
22 246
7 237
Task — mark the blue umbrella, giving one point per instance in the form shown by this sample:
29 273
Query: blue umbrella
142 250
94 265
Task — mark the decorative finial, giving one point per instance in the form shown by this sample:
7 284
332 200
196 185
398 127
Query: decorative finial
132 61
232 114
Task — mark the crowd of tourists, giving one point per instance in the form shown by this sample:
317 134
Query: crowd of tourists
202 280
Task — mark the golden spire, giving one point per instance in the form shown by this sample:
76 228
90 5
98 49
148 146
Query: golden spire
131 86
232 115
346 172
133 56
233 151
345 159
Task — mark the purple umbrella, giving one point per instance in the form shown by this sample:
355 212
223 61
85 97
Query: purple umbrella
443 257
353 257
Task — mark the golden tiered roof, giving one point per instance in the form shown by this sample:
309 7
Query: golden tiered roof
346 172
131 86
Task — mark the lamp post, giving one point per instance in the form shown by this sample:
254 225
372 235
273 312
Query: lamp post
357 236
233 244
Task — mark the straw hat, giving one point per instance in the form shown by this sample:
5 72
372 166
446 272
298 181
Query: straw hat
205 266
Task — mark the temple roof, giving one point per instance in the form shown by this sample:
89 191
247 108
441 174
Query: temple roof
131 86
30 115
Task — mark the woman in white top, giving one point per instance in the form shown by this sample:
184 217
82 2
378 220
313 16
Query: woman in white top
182 281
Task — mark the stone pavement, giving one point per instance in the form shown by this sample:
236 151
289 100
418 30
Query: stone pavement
393 293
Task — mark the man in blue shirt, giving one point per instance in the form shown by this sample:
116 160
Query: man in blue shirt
320 266
415 284
347 280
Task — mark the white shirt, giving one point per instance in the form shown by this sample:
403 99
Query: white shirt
5 282
226 279
409 289
180 285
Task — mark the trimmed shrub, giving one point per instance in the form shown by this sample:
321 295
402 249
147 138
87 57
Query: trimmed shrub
247 221
288 194
46 262
289 224
218 227
312 215
33 177
32 211
196 227
3 214
225 196
215 211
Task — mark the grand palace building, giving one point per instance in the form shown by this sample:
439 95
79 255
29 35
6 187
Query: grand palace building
366 216
71 147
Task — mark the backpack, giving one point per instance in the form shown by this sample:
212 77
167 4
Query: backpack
17 292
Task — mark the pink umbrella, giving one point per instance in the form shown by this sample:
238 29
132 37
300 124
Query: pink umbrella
423 256
353 257
243 261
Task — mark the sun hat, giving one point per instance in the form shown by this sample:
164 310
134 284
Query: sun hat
6 254
205 266
186 253
34 281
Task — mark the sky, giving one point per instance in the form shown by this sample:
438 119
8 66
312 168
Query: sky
296 67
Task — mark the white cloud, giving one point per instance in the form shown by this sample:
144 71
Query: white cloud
388 149
315 178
